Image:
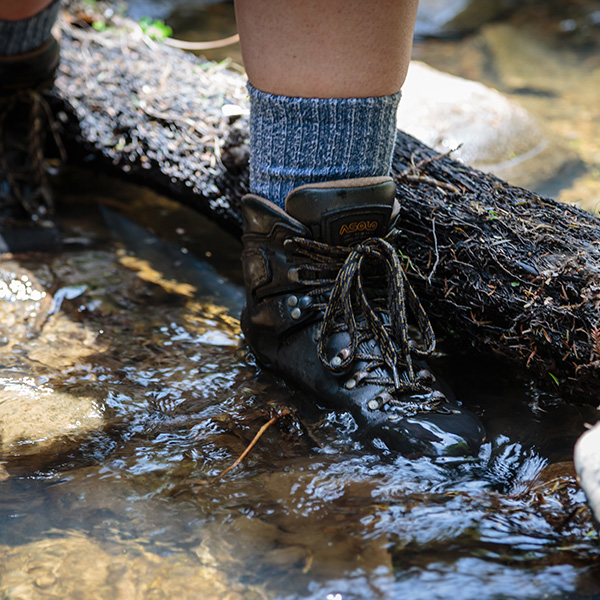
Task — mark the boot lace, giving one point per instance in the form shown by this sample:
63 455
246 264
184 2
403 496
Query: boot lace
23 164
363 290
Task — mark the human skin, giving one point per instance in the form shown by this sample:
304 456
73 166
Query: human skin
326 48
15 10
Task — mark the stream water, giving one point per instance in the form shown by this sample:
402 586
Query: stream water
126 388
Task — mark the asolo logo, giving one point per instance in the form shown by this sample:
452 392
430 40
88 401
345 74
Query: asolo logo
358 226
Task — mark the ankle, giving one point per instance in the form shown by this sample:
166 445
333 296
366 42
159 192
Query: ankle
22 35
17 10
295 141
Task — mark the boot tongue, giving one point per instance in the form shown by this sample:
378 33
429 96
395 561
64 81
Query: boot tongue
344 212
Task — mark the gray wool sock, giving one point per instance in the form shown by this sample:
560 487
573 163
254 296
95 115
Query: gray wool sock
294 141
17 37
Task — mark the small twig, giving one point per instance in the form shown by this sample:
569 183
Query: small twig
595 335
437 254
249 447
436 157
412 175
414 167
444 185
183 45
171 117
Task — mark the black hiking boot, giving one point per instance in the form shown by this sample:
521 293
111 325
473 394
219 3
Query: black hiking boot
326 307
26 203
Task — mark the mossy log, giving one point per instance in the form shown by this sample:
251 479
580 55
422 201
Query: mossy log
499 268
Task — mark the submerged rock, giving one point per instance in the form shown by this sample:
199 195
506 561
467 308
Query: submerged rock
40 343
456 17
35 416
524 61
76 566
482 127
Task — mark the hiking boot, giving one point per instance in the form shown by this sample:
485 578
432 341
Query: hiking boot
26 203
327 307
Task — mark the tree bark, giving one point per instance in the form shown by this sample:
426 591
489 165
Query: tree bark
499 268
503 270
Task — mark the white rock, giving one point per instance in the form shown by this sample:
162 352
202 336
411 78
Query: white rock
34 417
434 16
587 465
489 131
452 17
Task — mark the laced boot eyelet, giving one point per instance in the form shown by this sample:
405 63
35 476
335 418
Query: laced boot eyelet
394 417
296 313
292 300
340 357
293 274
344 353
305 302
350 384
373 404
379 401
426 375
360 375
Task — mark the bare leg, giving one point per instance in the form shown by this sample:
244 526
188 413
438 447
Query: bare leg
326 48
15 10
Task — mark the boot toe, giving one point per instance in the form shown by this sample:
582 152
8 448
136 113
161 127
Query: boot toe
452 433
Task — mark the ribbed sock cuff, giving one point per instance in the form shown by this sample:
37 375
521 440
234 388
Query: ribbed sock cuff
17 37
294 141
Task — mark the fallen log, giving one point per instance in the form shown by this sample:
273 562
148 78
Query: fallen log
503 270
500 269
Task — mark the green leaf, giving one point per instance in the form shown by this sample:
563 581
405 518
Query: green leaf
156 30
404 257
99 25
554 378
